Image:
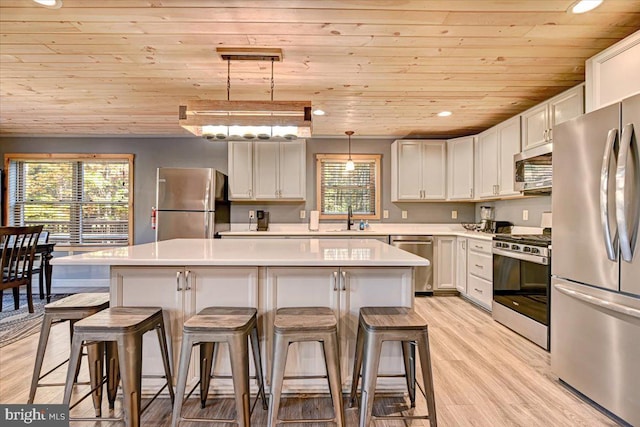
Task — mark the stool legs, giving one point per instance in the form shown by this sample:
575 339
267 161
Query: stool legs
257 361
408 355
74 362
332 362
238 352
96 357
280 350
357 366
183 371
112 371
207 350
164 349
372 347
42 345
427 377
130 359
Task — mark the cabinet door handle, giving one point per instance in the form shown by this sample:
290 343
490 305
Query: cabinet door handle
478 290
471 193
178 275
497 189
479 266
187 280
335 280
344 281
477 247
550 134
544 134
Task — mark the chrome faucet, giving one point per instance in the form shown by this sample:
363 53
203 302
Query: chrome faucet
349 216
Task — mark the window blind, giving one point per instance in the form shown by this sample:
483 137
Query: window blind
79 202
341 188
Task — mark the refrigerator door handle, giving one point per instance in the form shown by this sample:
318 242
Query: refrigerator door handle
598 302
610 244
627 240
206 226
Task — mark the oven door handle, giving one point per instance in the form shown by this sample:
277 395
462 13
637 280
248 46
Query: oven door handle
524 257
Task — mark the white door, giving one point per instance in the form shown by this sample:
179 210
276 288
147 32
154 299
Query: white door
292 170
301 287
509 143
461 266
460 171
487 163
445 263
434 170
240 170
409 170
266 159
535 126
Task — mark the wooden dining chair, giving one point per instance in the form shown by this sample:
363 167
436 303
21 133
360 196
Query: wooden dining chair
38 264
18 245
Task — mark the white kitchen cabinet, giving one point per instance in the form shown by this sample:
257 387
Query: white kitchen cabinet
612 74
480 272
185 291
538 122
460 174
345 290
418 170
445 263
461 265
240 158
495 150
267 170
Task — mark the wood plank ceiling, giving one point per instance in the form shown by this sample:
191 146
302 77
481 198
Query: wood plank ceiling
378 67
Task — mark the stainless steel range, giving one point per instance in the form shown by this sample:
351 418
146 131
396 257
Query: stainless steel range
521 284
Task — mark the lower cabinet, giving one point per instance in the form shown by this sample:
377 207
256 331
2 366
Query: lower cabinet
461 265
480 272
445 264
184 291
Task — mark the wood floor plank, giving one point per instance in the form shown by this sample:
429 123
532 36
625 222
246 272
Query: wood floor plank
484 375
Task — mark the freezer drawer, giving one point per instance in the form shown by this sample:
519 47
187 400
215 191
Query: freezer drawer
185 225
595 345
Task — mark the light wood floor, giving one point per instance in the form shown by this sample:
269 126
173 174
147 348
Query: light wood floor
484 375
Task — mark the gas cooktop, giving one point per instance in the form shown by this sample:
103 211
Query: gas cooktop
543 240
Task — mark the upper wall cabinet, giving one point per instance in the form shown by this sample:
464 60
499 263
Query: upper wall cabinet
418 170
495 150
538 122
267 170
460 168
612 75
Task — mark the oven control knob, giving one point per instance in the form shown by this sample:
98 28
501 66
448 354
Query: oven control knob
515 247
535 250
527 249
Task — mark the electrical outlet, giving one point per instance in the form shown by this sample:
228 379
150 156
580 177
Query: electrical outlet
404 214
303 214
454 214
525 215
252 214
385 214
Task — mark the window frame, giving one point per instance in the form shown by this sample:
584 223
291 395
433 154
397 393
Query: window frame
377 158
9 157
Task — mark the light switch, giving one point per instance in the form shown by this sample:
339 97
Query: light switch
454 214
525 215
303 214
404 214
385 214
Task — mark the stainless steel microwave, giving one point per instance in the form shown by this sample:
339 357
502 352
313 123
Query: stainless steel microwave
533 170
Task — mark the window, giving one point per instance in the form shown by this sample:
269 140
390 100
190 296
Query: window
337 188
81 199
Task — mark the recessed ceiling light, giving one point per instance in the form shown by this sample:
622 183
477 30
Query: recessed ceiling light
583 6
52 4
318 112
444 113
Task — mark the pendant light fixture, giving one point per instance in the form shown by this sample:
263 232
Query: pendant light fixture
350 165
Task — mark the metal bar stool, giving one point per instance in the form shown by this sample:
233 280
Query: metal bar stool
72 308
378 324
231 325
121 329
305 324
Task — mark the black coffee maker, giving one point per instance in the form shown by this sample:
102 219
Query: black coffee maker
263 220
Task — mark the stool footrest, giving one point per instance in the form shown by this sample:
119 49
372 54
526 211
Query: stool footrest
306 421
102 382
305 377
400 417
94 419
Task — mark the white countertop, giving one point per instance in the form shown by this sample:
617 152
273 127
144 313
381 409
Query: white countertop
339 229
252 252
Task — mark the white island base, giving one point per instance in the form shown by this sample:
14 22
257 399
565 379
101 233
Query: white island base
341 274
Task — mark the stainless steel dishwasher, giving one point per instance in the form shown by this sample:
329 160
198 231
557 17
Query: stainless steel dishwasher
423 247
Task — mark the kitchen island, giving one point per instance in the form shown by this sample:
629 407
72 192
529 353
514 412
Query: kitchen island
183 276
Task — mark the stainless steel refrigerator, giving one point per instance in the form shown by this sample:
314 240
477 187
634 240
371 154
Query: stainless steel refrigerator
191 203
595 297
